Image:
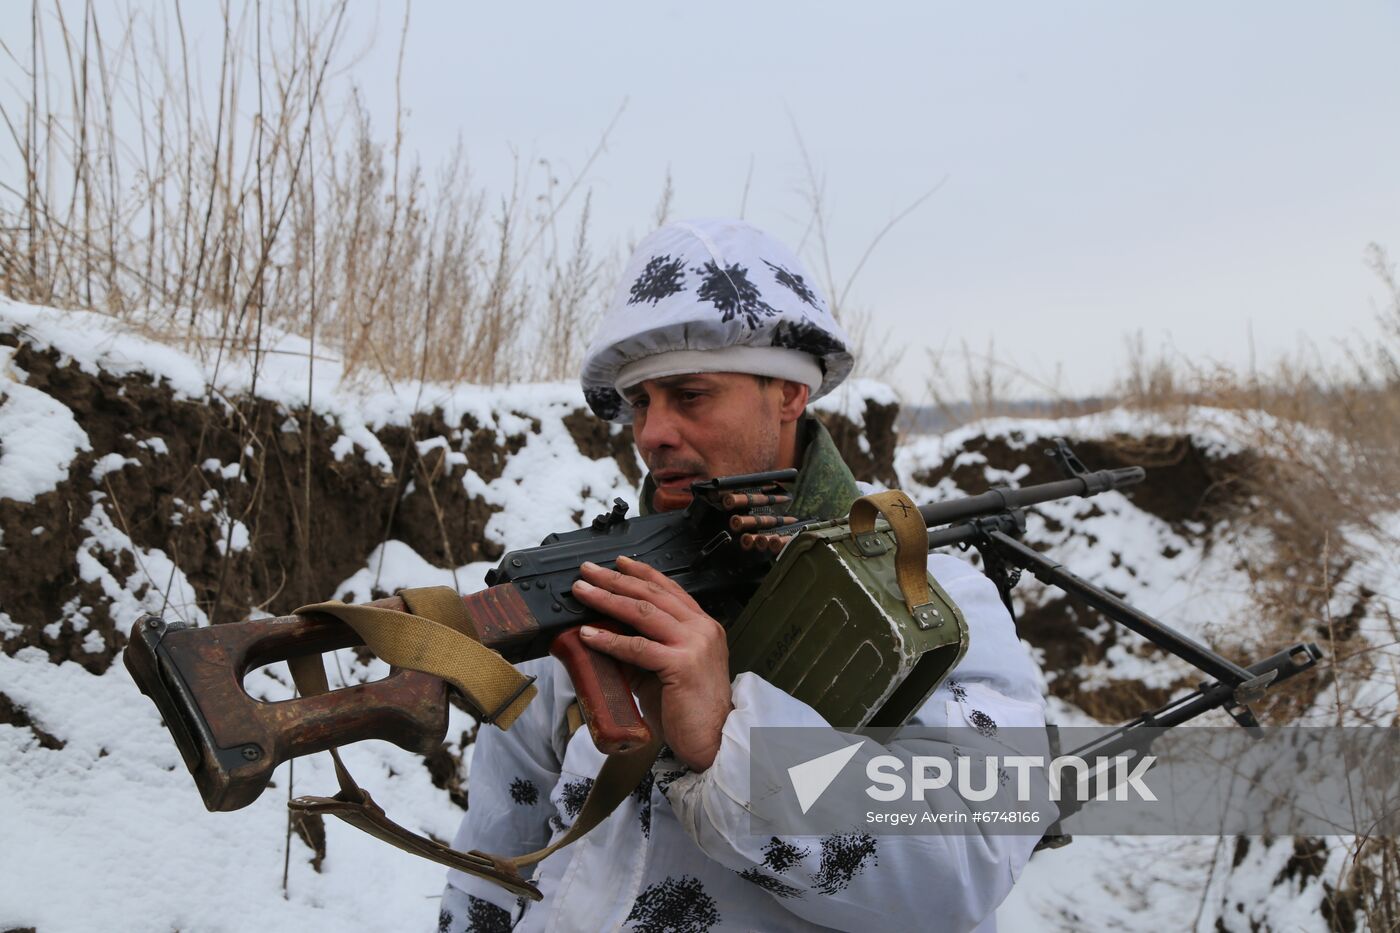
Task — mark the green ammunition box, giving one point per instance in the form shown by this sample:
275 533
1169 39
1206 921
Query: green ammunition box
831 626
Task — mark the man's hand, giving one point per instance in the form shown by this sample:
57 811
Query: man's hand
677 642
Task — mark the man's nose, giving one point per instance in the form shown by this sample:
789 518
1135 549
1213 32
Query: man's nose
658 429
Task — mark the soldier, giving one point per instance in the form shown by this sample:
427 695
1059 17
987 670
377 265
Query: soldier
712 348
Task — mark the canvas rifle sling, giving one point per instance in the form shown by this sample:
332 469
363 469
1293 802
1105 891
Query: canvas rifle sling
435 636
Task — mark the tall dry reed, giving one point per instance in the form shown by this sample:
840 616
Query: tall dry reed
209 206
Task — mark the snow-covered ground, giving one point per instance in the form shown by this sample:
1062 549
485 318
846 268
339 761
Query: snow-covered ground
102 828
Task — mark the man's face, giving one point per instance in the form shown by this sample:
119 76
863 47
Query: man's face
695 427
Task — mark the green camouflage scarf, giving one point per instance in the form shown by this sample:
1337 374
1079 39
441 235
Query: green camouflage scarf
825 487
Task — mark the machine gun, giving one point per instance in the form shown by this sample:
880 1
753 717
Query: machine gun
723 549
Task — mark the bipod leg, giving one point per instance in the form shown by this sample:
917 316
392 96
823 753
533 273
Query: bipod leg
1247 686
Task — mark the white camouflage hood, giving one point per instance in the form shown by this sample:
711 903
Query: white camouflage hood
708 285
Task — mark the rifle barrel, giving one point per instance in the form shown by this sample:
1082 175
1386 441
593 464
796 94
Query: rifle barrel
1004 499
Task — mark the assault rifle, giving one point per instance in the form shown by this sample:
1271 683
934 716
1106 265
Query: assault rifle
720 549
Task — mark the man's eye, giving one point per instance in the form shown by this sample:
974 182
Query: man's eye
691 396
638 403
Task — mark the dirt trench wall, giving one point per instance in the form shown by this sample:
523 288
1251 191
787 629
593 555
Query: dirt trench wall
261 508
1190 486
1193 518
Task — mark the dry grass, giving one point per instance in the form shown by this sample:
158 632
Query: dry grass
1328 496
211 200
276 204
1329 487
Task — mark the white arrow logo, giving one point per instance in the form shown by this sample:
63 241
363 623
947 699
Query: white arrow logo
811 778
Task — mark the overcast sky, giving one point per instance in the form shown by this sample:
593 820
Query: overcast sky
1194 171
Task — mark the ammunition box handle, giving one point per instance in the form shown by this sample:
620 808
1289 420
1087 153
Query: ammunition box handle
910 537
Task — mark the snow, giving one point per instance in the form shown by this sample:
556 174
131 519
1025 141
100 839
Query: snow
235 537
110 463
38 437
850 398
100 343
394 566
1216 430
119 832
1114 879
163 586
358 436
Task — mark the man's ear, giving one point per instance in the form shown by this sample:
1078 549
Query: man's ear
794 400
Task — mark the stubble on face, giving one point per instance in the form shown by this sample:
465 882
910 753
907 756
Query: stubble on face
739 433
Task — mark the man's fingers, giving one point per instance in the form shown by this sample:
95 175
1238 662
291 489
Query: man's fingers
658 590
632 649
642 614
656 579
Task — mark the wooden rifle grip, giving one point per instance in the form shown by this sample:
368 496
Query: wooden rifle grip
604 694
